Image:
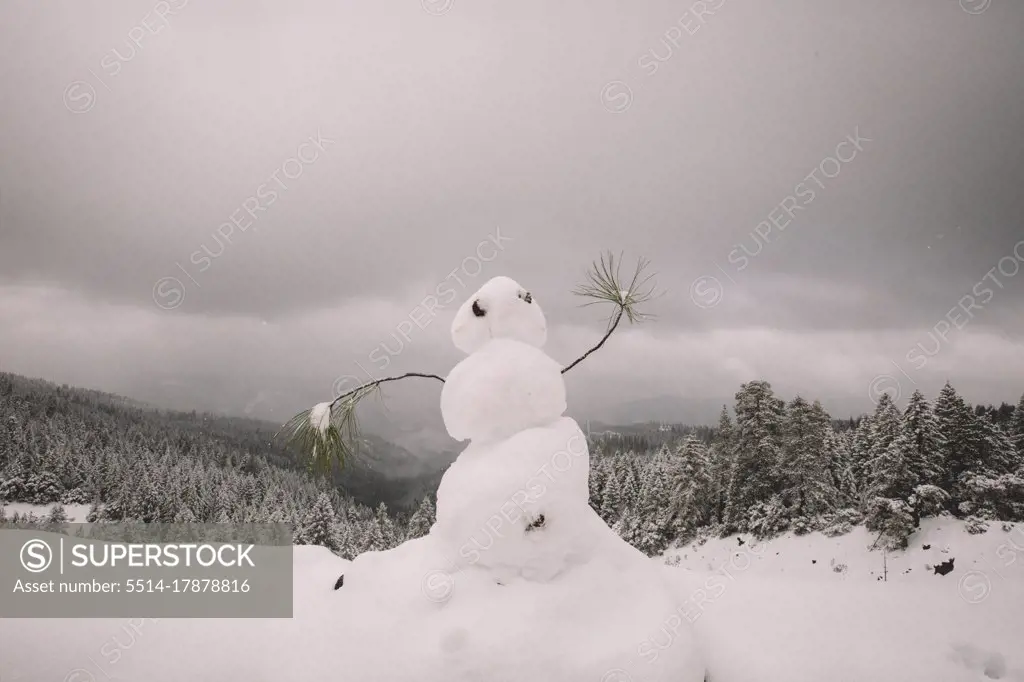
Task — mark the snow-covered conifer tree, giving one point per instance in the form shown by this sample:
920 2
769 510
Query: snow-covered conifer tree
611 499
807 487
1017 431
422 519
318 526
692 482
925 441
755 476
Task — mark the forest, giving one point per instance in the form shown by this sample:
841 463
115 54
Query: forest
768 466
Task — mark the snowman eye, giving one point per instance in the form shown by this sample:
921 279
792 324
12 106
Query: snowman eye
477 310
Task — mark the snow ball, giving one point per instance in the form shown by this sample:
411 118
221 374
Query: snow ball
504 387
500 309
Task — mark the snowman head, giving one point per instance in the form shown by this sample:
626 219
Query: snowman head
501 309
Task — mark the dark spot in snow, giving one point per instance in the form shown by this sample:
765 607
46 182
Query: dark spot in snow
945 567
926 546
477 310
536 523
776 554
525 295
814 561
740 540
340 581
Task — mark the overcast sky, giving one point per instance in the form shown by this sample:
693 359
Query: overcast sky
371 155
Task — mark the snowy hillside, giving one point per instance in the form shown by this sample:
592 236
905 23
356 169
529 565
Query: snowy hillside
766 614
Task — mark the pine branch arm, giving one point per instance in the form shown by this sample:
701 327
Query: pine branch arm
377 382
607 334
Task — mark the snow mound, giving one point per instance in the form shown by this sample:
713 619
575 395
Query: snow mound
751 626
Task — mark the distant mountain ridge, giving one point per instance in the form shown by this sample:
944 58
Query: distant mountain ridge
381 472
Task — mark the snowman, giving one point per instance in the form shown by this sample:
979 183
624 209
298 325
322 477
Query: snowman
519 578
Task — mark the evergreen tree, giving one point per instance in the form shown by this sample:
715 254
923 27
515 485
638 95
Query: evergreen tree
318 526
807 491
893 521
611 498
886 426
631 484
725 432
925 441
58 515
422 519
94 513
860 455
185 515
998 452
371 538
962 444
390 533
596 481
836 454
892 474
691 482
721 464
628 527
755 475
1017 431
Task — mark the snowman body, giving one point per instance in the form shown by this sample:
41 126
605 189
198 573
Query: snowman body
518 578
515 501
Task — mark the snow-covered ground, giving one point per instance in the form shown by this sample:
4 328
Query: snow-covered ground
814 608
845 558
76 513
763 612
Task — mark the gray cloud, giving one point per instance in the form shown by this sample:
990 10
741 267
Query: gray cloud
439 129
